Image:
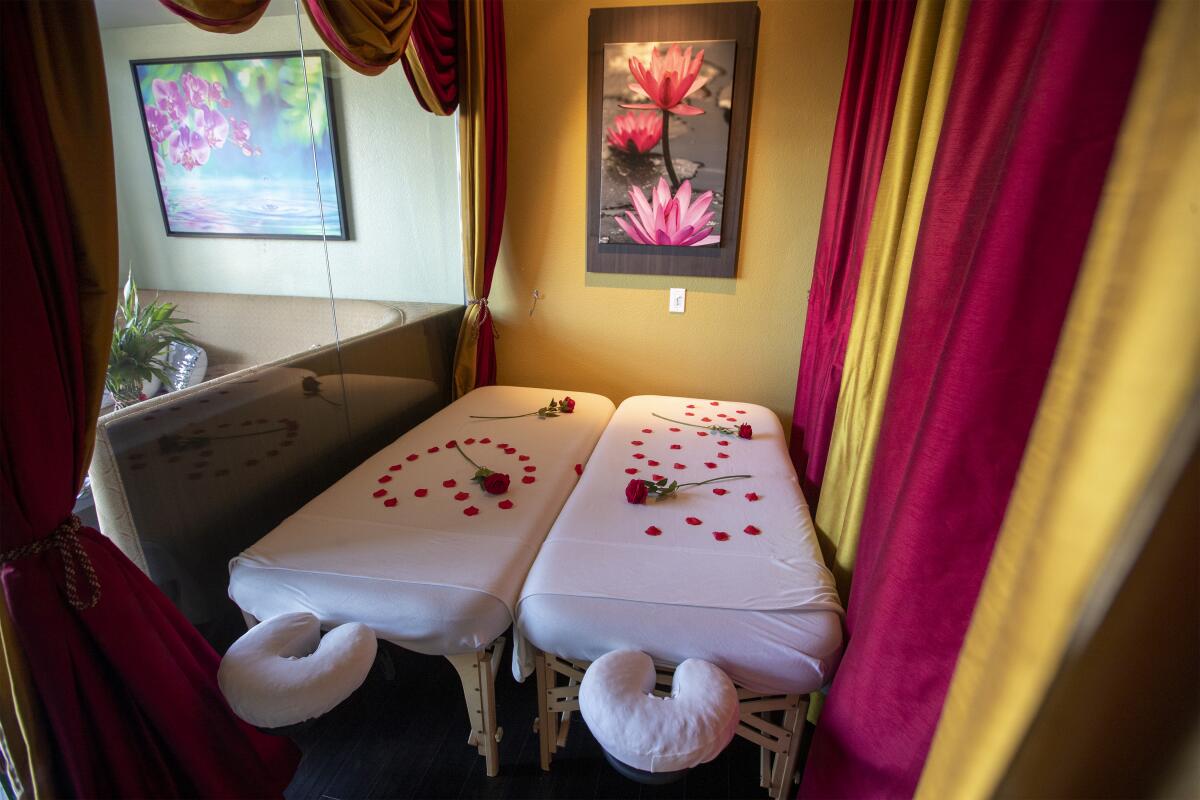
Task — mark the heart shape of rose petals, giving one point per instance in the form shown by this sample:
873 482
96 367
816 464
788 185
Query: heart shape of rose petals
721 536
450 484
653 531
528 479
420 492
390 502
462 496
384 478
379 493
411 457
753 531
506 504
631 471
694 521
719 492
470 511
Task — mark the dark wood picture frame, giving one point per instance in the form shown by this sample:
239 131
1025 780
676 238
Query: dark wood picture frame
705 21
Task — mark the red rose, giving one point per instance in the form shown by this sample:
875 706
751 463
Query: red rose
636 492
745 431
496 483
567 405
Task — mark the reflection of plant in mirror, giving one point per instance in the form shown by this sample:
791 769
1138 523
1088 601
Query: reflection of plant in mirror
140 338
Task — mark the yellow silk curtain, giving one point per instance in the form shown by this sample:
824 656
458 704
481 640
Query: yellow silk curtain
1111 435
219 16
368 35
879 304
76 99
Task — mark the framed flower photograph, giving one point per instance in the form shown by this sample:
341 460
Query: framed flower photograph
669 109
231 140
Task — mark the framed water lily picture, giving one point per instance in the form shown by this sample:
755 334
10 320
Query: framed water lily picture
669 106
235 148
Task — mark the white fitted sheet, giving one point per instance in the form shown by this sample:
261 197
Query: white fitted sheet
762 607
423 574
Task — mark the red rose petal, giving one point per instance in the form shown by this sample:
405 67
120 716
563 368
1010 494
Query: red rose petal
450 484
721 536
390 502
653 531
647 430
470 511
450 445
740 411
702 433
636 443
710 464
522 457
689 414
676 447
719 492
468 441
753 531
631 471
675 430
579 469
694 521
433 450
379 493
656 477
506 504
502 445
510 450
691 405
706 419
462 496
652 463
752 496
723 443
396 467
420 492
722 455
680 466
531 468
714 403
485 440
639 455
528 479
384 478
411 457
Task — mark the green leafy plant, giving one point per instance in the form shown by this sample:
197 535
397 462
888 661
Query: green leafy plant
141 335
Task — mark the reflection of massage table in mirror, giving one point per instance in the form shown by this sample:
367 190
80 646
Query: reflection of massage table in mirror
203 474
728 572
410 546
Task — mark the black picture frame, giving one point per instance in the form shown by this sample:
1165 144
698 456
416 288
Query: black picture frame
737 21
334 143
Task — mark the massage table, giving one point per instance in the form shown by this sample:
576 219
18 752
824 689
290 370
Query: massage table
409 546
728 572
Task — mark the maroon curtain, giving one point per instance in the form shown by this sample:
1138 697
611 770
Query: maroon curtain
434 37
127 685
878 42
495 109
1038 97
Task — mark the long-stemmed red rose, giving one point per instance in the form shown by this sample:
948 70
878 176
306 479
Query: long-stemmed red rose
742 431
551 409
492 482
638 491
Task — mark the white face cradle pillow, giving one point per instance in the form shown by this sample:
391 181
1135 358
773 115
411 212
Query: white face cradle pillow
282 671
658 734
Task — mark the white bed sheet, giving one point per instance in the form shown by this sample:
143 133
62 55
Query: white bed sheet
759 604
421 572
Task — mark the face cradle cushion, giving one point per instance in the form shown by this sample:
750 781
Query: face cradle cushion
658 734
282 671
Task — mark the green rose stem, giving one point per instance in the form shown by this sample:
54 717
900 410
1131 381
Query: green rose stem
717 428
713 480
514 416
666 148
468 458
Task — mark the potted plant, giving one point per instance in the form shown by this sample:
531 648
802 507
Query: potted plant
141 335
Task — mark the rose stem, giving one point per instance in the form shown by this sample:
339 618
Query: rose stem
713 480
514 416
666 148
717 428
467 457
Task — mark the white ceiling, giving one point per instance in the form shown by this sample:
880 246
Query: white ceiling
136 13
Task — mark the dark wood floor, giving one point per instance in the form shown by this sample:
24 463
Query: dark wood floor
404 735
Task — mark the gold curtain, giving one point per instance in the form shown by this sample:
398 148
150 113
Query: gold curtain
219 16
367 35
879 304
1110 439
76 99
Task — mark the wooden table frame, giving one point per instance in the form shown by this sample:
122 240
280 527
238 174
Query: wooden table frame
774 722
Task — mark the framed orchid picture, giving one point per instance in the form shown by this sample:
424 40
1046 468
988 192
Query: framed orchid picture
669 109
243 145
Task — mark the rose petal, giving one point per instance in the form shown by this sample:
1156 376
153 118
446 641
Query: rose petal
710 464
522 457
411 457
462 496
753 531
675 430
752 496
631 471
450 484
653 531
719 492
506 504
740 411
510 450
706 419
531 468
714 403
390 502
384 478
680 466
721 536
528 479
420 492
689 414
676 447
691 405
433 450
502 445
450 445
702 433
722 455
647 430
485 440
652 463
379 493
579 469
639 455
723 443
636 443
470 511
694 521
468 441
657 477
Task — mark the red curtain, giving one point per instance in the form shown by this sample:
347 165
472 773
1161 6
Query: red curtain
495 110
878 42
434 43
127 685
1038 97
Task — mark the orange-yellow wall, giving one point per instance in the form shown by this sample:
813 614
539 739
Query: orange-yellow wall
739 338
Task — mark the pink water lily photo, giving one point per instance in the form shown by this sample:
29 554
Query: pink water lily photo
666 120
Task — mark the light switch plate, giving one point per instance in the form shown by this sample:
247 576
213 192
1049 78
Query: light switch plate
676 303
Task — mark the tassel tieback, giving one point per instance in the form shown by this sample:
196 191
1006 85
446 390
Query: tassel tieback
74 558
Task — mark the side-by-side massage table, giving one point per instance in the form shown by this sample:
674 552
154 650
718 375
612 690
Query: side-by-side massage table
408 545
728 572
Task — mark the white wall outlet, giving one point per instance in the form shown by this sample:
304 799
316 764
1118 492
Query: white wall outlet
676 303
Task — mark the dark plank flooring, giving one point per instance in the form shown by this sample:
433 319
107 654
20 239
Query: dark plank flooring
403 734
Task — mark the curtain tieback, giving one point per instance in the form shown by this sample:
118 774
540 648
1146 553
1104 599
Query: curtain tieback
484 313
75 560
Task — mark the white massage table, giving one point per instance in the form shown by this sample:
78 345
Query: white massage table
409 546
734 580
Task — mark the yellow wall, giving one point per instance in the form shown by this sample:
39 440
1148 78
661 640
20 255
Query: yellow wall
739 339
